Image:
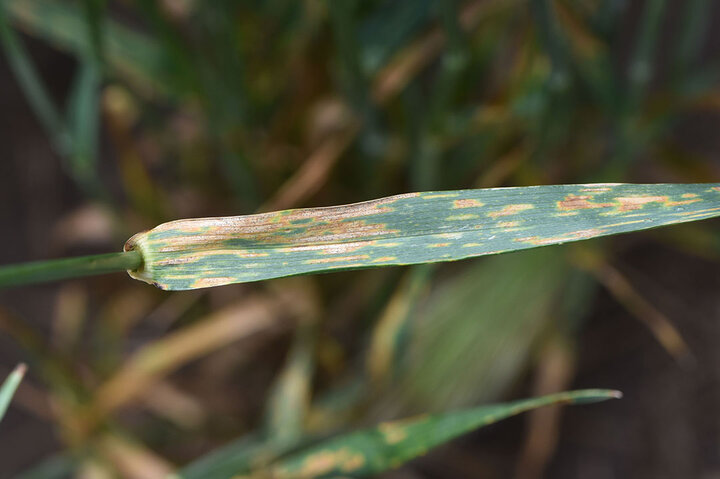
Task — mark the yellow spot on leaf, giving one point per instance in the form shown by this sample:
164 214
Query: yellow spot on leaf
508 224
209 282
384 259
462 217
393 433
338 259
386 245
681 203
343 460
575 235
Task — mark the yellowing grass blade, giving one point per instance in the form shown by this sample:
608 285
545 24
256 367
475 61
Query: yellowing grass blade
406 229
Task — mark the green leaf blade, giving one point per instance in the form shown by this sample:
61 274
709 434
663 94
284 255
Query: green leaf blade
389 445
406 229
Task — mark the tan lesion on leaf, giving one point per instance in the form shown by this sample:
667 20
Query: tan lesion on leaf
580 202
212 281
337 259
467 203
625 223
508 224
681 203
575 235
509 210
384 259
464 217
632 203
393 433
621 204
343 460
342 248
379 244
697 213
303 225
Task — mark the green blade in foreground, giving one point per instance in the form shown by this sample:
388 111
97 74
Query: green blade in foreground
406 229
7 390
391 444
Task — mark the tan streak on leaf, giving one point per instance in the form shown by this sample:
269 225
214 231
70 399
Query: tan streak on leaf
321 463
509 224
393 433
574 202
467 203
509 210
215 281
631 203
337 260
575 235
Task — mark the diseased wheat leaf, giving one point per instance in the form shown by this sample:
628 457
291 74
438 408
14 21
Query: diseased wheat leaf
407 229
391 444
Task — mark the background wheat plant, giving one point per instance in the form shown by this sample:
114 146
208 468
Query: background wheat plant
239 149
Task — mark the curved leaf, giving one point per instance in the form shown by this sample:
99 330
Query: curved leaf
391 444
406 229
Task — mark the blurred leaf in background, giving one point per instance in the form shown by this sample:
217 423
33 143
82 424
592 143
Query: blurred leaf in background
9 386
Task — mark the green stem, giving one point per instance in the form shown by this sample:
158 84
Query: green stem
43 271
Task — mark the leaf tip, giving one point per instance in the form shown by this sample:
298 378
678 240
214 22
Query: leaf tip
589 396
20 370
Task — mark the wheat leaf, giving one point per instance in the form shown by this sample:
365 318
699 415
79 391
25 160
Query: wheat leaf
391 444
406 229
